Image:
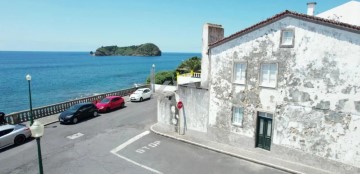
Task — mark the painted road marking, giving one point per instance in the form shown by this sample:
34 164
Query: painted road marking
133 139
74 136
145 148
138 164
128 142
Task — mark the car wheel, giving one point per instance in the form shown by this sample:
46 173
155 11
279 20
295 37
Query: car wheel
107 109
75 120
95 113
20 139
141 99
122 105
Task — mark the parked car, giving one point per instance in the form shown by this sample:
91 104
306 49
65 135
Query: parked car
13 134
141 94
109 103
78 112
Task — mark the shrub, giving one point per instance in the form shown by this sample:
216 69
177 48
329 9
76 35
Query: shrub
162 76
192 64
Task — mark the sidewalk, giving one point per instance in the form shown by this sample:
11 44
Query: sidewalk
276 163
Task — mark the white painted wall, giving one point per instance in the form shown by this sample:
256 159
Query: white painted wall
325 57
161 88
184 80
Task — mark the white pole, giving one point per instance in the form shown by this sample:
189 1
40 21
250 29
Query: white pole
153 78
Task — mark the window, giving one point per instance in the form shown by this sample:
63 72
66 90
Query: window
6 131
237 117
287 38
239 73
83 108
268 75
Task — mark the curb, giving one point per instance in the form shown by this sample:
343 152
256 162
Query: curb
227 153
52 122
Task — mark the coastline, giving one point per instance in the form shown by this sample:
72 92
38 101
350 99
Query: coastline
62 76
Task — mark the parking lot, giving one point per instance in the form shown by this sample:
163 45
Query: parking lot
119 142
158 154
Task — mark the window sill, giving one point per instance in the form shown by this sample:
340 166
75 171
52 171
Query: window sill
269 87
238 83
286 46
237 125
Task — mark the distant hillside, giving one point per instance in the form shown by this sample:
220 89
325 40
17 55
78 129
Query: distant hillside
148 49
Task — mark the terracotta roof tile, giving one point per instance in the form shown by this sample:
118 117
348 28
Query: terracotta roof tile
286 14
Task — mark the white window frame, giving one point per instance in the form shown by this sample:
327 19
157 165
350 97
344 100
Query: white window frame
269 77
283 37
242 79
237 121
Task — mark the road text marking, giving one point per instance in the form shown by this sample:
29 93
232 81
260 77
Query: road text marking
74 136
145 148
128 142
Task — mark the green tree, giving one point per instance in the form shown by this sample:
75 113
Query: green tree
162 76
192 64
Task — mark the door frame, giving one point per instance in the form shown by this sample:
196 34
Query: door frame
257 127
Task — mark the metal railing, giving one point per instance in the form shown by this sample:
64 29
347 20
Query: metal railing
23 116
196 75
190 74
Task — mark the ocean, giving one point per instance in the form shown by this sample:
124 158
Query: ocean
62 76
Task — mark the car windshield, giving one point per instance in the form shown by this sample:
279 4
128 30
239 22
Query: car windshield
138 92
105 100
74 107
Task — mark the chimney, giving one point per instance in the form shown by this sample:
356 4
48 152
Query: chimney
311 8
211 34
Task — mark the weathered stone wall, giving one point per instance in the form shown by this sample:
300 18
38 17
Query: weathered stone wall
164 102
326 133
211 33
316 103
196 107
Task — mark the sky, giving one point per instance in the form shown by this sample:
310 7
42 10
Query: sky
173 25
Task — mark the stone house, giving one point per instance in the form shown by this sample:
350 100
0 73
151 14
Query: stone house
286 87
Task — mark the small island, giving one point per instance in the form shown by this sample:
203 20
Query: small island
148 49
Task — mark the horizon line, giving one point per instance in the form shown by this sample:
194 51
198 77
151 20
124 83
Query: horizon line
87 51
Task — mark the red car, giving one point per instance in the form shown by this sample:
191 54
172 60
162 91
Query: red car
109 103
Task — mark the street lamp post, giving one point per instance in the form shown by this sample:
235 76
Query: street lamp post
37 131
28 78
153 78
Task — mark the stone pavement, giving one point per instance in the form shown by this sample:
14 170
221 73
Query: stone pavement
201 141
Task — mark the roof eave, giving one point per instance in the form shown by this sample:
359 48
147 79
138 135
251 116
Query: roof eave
313 19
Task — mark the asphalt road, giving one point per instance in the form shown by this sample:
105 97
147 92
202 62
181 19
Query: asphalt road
119 142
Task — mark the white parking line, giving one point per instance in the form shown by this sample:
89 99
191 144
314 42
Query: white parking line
133 139
114 151
143 166
74 136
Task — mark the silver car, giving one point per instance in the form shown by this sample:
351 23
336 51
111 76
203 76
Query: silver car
13 134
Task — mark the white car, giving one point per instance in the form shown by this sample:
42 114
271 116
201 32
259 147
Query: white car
13 134
141 94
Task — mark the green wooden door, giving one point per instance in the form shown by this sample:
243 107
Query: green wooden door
264 131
